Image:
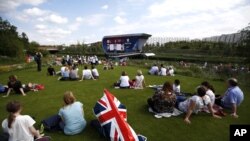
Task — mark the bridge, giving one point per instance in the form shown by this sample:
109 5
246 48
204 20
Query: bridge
51 49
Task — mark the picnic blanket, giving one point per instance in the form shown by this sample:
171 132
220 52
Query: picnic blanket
161 115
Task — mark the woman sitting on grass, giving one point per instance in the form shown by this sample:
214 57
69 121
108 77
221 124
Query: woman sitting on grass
139 81
72 115
95 72
73 74
15 85
65 74
19 127
195 104
124 81
163 101
210 93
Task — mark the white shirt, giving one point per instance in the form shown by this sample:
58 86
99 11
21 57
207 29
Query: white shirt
87 74
171 72
177 89
154 70
95 72
211 95
19 130
163 72
62 70
183 106
124 81
138 81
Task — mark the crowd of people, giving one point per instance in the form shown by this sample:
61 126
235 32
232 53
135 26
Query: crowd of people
70 118
169 97
162 70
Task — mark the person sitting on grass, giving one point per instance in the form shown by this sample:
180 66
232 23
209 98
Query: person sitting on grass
51 71
72 115
210 93
124 80
139 81
19 127
154 70
163 101
86 74
63 68
195 104
163 71
177 87
3 89
232 98
15 85
65 74
73 74
95 73
170 71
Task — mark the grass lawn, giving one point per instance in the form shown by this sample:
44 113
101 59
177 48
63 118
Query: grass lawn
47 102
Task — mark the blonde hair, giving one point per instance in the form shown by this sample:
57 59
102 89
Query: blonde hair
68 98
139 72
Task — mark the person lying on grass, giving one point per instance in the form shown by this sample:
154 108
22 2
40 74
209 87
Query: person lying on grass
19 127
15 85
232 98
195 104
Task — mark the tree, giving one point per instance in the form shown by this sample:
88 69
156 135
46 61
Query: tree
10 43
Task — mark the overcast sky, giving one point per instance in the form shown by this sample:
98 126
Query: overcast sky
71 21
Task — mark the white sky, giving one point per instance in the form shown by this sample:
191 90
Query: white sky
66 22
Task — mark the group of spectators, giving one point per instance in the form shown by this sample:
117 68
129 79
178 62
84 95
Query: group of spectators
70 118
124 82
162 70
80 60
205 100
71 73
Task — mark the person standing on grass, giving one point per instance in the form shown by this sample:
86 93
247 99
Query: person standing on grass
19 127
38 59
232 98
72 115
195 104
15 85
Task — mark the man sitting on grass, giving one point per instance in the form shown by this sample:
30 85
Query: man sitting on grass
232 98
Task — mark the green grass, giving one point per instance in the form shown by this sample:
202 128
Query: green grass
47 102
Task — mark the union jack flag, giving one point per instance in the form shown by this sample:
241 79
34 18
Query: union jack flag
112 115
